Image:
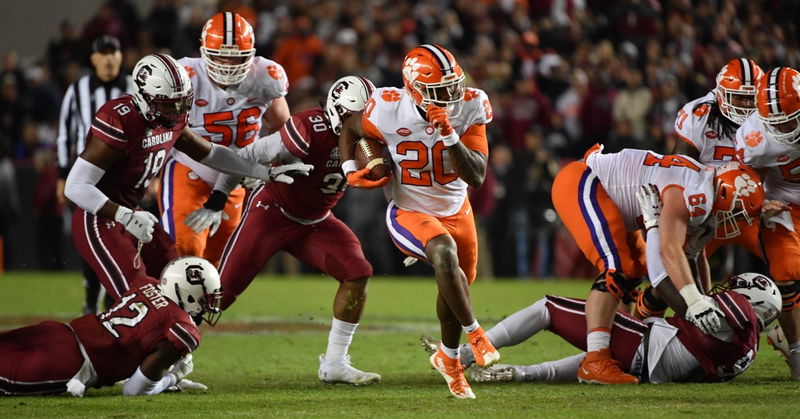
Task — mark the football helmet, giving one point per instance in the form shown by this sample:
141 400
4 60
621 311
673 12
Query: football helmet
739 196
163 92
763 294
227 47
736 89
349 94
778 102
193 284
432 76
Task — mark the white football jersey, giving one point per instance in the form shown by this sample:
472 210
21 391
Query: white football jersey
424 179
757 148
691 126
230 117
623 173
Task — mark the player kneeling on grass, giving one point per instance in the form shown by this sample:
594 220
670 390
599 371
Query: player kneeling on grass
296 217
147 338
656 351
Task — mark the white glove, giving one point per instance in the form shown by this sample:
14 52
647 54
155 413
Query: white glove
182 368
701 310
285 173
139 223
203 218
650 203
251 183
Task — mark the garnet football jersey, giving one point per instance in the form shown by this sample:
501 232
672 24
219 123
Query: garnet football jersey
691 125
757 148
307 136
121 126
118 340
424 179
230 117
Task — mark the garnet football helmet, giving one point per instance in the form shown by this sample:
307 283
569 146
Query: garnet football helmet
163 92
736 89
432 76
193 283
739 196
778 101
349 94
227 47
763 294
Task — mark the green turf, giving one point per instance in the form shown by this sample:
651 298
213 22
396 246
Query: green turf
270 369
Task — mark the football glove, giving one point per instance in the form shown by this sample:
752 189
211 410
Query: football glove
701 310
360 179
182 368
650 203
139 223
203 218
286 173
438 117
251 183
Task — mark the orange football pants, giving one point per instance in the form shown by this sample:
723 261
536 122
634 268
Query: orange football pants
782 249
411 231
596 223
748 240
182 192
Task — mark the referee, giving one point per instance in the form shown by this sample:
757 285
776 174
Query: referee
82 99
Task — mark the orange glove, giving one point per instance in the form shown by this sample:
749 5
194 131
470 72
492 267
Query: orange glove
360 179
440 120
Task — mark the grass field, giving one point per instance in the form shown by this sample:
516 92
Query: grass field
261 360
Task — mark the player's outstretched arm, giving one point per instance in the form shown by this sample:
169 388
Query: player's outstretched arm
161 369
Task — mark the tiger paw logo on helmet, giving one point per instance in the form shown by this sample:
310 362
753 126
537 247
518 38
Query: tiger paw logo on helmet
745 185
410 67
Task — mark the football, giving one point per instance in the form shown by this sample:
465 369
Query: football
372 155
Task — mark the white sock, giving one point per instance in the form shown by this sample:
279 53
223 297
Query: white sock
339 340
597 339
565 369
471 327
449 352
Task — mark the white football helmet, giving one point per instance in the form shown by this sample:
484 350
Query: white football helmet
193 284
349 94
763 294
163 92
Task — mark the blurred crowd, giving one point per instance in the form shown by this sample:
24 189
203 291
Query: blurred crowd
561 75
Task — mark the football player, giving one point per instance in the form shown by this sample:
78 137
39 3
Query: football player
598 201
435 131
656 351
127 144
768 140
148 338
297 219
234 92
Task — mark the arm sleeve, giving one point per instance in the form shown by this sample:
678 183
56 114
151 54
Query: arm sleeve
655 269
81 186
139 384
226 160
65 140
475 139
265 150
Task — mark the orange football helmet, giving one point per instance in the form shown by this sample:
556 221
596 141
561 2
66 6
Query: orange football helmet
738 198
432 76
778 101
736 89
227 47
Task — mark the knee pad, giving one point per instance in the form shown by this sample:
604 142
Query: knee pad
648 305
618 285
790 294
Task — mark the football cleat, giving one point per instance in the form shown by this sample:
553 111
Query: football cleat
598 367
345 373
485 354
453 373
777 340
497 373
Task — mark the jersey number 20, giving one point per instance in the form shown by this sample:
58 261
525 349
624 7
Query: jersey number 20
419 156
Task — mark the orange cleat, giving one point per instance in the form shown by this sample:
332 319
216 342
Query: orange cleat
485 354
453 373
598 367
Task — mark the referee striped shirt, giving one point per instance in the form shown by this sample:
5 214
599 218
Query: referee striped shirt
81 101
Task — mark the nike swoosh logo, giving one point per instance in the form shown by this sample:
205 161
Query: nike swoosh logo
584 371
250 99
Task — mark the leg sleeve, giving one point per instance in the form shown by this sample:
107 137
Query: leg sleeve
520 326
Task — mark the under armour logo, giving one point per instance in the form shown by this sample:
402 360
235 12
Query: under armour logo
260 205
110 224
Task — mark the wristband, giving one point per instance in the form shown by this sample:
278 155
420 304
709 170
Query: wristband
348 167
690 294
122 212
450 140
216 201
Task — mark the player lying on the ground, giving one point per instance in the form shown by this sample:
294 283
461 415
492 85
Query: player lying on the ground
147 338
656 351
297 218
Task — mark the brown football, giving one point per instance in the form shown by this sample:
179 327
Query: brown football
372 154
